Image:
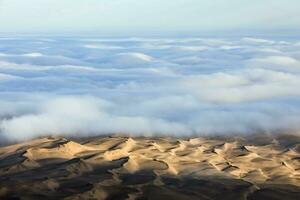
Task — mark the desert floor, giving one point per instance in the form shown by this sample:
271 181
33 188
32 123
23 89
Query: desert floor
116 167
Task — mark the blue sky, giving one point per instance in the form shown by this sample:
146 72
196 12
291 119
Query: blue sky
148 16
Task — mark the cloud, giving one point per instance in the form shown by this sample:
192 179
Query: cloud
81 115
258 41
101 46
132 58
231 86
283 61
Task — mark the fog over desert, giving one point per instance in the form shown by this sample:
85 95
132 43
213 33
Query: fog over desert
143 86
137 118
149 100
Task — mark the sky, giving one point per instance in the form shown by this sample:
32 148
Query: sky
148 16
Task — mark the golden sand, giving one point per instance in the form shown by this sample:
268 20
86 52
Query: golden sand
252 167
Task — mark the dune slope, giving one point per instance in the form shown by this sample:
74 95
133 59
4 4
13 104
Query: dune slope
253 167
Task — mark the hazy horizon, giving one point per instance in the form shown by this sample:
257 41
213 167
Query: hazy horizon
149 17
178 67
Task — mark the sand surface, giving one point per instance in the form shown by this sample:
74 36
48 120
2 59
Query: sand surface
252 167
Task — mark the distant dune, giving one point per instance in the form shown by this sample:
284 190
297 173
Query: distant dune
252 167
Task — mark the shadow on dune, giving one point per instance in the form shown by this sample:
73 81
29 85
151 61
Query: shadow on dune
152 169
141 185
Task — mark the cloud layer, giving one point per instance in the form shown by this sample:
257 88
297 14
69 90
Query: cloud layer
89 86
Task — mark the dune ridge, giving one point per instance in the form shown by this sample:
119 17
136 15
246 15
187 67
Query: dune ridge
116 167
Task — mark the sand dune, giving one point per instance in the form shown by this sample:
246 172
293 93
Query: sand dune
254 167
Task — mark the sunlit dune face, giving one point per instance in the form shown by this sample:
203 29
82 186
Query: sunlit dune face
258 166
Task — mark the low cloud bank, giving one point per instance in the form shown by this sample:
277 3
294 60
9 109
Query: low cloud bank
146 87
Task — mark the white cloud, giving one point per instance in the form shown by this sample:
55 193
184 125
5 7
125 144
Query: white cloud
6 77
231 86
285 63
81 115
258 41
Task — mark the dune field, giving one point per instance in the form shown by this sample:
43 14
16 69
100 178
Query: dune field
117 167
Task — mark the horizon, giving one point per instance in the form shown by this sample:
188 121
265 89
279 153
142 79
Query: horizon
149 17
